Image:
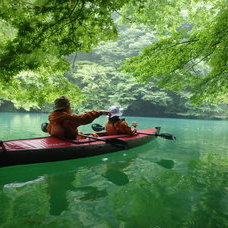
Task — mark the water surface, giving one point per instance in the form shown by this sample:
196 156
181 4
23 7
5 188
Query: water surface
161 184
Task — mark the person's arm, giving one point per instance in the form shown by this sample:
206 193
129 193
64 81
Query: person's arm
126 129
86 118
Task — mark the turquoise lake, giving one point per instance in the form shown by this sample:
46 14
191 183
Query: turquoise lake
132 188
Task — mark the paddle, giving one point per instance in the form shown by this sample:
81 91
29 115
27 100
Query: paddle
114 141
162 135
98 127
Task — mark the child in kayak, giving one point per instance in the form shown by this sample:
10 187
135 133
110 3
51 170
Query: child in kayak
115 125
64 124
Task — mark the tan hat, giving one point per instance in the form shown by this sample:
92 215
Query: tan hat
61 103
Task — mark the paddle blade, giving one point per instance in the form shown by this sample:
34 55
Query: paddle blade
44 127
97 127
167 136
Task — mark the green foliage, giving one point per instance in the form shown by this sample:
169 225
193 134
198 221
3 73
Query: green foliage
102 83
104 86
189 33
31 90
189 53
96 73
35 35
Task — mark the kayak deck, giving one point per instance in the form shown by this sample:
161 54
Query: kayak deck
45 149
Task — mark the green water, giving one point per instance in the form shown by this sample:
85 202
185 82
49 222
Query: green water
129 189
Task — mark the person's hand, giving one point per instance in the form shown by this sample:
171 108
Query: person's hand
135 132
106 113
134 124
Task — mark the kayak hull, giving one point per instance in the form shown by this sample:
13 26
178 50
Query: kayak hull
47 149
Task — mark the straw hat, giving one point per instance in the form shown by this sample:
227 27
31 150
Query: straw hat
61 103
115 111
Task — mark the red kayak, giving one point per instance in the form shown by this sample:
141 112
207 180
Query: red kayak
46 149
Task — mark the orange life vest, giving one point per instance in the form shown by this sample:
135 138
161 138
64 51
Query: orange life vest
119 127
64 124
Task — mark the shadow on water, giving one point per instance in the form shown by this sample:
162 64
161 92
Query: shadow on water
114 173
168 164
58 185
116 176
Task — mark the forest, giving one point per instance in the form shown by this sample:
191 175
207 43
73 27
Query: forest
153 58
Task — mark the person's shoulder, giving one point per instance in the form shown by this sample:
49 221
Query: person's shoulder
122 122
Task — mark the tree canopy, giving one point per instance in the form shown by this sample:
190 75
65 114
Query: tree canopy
191 50
101 82
36 34
97 75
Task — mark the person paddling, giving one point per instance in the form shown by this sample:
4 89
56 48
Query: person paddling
115 125
64 124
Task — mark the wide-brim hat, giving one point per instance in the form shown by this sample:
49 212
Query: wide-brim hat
61 103
115 111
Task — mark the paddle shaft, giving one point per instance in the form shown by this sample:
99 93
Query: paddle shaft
163 135
91 137
98 127
145 133
114 141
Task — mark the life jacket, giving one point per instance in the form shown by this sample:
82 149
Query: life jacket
116 126
64 125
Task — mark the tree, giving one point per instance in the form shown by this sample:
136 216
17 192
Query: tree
101 82
36 34
97 75
191 51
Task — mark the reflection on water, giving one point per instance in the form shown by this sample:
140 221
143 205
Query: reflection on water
91 193
117 177
161 184
57 191
143 197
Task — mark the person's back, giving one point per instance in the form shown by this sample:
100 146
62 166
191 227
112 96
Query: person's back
115 125
62 123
